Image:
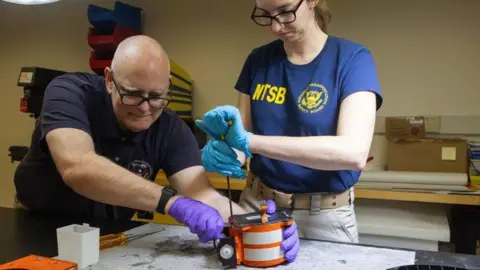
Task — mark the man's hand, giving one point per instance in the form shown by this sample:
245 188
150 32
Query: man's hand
200 218
218 157
216 123
291 242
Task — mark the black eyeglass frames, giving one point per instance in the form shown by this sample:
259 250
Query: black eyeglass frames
284 17
136 99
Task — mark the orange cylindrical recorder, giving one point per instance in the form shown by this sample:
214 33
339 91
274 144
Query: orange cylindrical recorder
254 239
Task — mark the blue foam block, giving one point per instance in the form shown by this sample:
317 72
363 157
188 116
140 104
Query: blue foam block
104 20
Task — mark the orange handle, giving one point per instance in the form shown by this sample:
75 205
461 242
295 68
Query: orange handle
264 216
109 236
112 240
112 243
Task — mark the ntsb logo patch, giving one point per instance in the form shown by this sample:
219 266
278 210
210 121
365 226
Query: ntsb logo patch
313 99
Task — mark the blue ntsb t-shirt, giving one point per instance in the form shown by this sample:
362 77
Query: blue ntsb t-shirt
304 100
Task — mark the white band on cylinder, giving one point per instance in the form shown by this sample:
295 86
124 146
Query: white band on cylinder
264 254
262 238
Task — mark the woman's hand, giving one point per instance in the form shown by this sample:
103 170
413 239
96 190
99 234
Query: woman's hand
218 157
225 123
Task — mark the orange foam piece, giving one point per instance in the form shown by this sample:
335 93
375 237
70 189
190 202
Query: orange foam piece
34 262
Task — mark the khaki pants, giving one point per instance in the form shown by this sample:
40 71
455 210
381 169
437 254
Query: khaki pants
337 224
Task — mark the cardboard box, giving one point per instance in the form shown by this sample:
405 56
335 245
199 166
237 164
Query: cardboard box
405 127
428 155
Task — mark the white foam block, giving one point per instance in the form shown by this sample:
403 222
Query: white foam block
79 244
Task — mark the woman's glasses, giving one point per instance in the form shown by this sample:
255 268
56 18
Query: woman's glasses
284 17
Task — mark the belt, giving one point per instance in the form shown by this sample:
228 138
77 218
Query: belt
300 201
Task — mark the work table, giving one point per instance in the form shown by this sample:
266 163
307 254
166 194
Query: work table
23 232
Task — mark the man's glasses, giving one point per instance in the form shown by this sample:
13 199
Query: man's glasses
135 99
284 17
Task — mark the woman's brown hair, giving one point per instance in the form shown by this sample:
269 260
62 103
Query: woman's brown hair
322 14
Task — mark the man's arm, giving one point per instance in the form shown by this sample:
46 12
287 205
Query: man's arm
193 182
346 151
96 177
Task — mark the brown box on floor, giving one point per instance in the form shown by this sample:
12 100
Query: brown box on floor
405 127
428 155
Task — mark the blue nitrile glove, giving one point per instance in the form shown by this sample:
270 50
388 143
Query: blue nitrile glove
291 242
216 123
200 218
218 157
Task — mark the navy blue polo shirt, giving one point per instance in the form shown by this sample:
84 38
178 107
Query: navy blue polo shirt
80 100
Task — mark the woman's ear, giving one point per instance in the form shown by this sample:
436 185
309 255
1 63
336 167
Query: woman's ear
312 3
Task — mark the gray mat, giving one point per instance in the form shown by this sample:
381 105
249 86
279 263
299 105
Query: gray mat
176 248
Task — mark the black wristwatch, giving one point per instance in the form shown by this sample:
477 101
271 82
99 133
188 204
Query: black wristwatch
167 193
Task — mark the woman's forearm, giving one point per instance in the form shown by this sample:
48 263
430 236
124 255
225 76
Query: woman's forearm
317 152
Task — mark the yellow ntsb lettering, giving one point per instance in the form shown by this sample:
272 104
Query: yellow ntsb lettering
281 95
273 94
276 94
258 91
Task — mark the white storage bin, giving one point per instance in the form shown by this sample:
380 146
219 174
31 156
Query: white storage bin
79 243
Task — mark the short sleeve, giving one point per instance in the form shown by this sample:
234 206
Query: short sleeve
182 149
244 81
361 75
64 106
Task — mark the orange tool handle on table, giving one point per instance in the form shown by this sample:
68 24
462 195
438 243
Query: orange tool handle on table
112 240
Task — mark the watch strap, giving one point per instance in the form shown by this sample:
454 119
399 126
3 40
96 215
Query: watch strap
167 193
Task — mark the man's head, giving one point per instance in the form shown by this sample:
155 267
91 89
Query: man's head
140 71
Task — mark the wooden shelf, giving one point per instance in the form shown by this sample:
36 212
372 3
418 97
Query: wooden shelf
220 182
464 199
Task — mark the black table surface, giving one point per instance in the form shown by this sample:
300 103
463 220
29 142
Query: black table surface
23 232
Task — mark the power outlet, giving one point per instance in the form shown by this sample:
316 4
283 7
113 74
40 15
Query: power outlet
432 124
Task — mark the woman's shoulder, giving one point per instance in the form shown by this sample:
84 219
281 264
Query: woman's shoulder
268 50
346 46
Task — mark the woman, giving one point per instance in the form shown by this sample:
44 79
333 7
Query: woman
306 115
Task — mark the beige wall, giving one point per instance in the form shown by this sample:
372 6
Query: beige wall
426 52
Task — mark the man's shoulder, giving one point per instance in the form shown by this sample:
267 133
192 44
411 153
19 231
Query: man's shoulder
170 115
168 121
83 80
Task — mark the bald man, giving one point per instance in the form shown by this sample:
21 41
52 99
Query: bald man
100 141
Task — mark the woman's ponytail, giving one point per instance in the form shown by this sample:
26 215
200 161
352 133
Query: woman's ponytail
322 14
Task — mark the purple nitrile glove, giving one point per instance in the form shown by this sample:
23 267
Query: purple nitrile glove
291 242
201 219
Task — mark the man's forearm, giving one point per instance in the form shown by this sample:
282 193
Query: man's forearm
223 206
99 179
218 201
318 152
